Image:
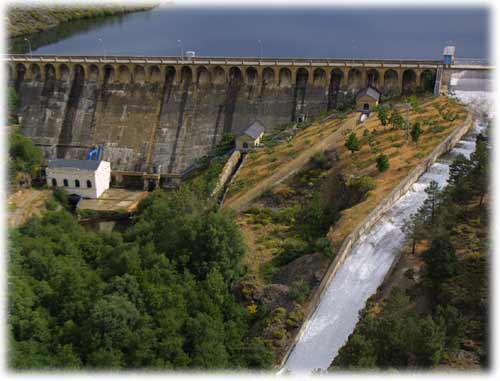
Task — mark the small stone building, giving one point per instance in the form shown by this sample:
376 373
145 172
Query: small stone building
367 99
251 137
86 178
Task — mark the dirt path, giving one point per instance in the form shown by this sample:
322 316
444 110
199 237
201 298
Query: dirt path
291 167
25 203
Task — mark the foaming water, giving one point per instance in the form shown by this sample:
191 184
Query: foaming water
365 268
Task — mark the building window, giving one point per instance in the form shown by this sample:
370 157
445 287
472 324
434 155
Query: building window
54 182
89 184
245 145
366 106
65 182
77 183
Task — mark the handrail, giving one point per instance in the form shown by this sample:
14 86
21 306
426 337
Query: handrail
213 60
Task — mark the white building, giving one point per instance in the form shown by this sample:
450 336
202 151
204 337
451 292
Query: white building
86 178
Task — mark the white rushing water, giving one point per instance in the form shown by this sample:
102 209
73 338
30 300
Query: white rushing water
371 257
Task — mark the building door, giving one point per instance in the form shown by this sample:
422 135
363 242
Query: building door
366 107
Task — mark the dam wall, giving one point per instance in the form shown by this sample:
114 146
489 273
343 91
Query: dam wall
161 114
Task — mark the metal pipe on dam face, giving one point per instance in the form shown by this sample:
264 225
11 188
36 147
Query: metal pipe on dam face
366 266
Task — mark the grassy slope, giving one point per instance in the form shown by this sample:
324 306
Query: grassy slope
26 20
265 235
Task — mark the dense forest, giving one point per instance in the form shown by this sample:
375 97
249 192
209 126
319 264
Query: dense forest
450 235
156 296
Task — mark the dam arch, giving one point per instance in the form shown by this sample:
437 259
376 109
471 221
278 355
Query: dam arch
93 73
154 74
373 78
427 80
139 75
354 80
391 83
36 73
409 83
109 74
202 77
285 77
123 74
319 77
218 75
251 76
49 72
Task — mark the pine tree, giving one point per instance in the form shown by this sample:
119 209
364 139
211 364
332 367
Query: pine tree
416 132
352 143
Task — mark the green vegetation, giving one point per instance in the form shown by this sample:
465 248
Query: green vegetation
452 330
397 120
156 296
352 143
383 114
382 162
30 19
416 132
12 102
25 159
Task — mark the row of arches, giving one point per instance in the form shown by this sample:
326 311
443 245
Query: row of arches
217 75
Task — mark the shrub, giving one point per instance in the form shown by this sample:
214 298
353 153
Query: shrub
299 291
362 184
416 132
352 143
382 163
62 196
319 160
292 249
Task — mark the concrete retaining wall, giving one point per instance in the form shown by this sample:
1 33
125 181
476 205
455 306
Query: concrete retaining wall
386 204
226 172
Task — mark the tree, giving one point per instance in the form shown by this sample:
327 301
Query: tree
440 259
459 181
13 100
414 229
397 120
383 115
479 174
416 132
352 143
429 208
382 163
26 156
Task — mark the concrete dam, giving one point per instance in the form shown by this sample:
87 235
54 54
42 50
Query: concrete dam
161 114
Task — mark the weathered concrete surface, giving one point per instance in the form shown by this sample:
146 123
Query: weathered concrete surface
226 172
158 115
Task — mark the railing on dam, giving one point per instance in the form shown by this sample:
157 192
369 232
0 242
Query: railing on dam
175 60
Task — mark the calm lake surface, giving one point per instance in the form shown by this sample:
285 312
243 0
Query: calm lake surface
293 32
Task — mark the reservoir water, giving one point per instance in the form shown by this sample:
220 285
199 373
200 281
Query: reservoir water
372 256
282 32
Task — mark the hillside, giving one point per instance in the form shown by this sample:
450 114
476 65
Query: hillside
432 310
26 20
294 228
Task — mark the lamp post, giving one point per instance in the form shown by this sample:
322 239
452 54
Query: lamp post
29 46
261 49
179 42
353 49
103 49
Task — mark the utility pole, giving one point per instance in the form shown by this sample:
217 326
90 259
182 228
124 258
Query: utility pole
261 49
29 46
179 42
103 49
